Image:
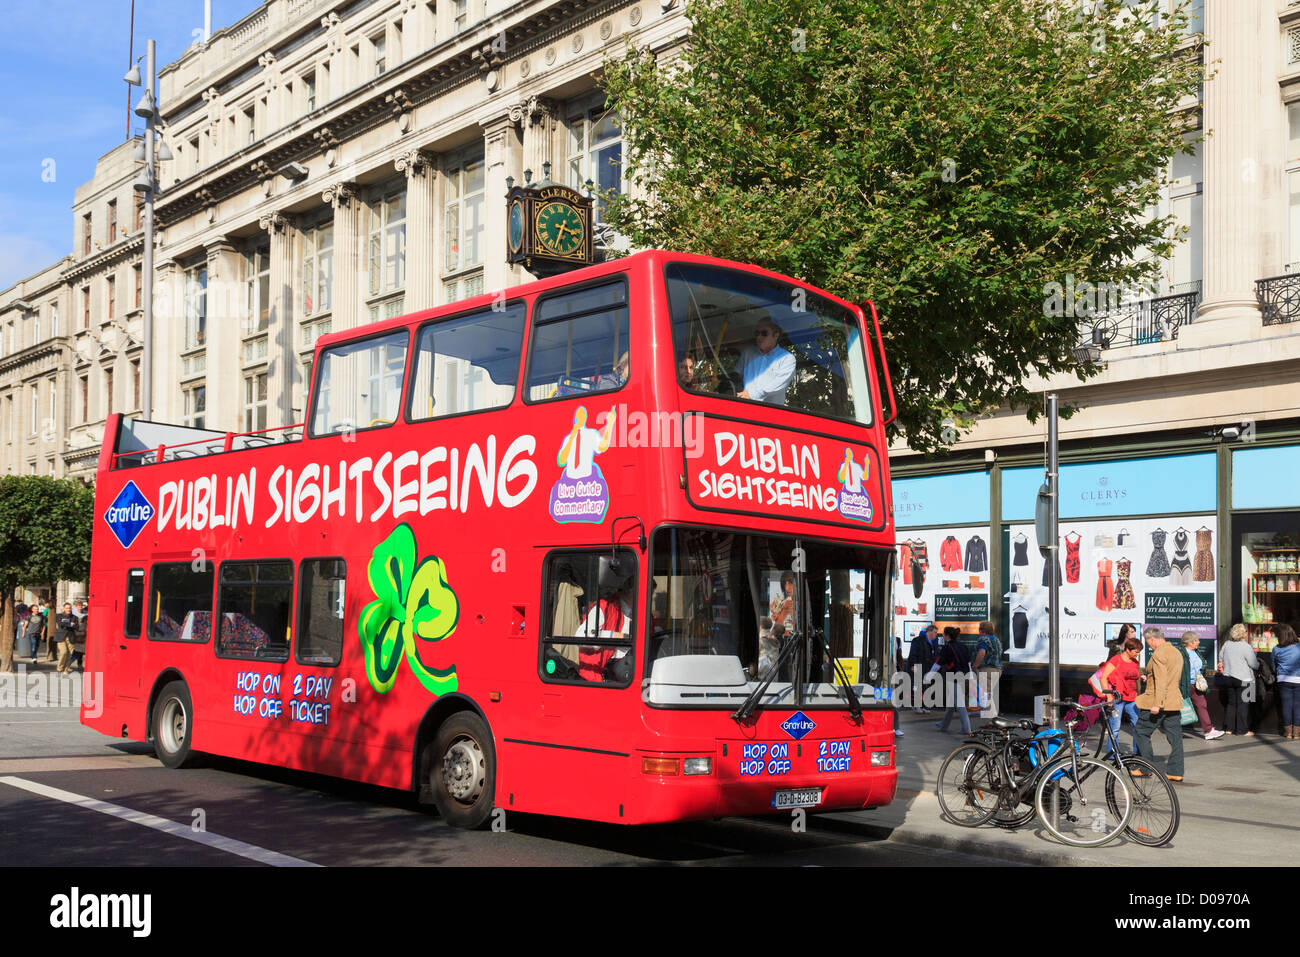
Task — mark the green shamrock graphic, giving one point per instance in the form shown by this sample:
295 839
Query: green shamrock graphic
413 608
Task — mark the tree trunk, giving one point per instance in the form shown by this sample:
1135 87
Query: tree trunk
7 632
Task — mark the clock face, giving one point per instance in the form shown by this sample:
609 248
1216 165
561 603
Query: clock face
516 226
560 229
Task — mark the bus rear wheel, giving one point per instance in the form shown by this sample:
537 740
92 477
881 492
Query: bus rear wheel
173 725
462 774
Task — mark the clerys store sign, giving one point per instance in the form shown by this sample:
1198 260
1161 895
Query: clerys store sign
1158 485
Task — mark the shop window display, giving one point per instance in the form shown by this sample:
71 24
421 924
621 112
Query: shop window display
941 576
1270 587
1113 574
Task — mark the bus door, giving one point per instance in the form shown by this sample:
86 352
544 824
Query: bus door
590 705
121 654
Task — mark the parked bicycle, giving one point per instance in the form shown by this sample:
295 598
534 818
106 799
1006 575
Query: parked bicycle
1015 770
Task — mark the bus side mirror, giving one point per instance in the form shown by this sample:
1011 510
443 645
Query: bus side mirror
882 370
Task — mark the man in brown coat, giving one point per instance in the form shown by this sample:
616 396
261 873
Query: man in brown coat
1160 704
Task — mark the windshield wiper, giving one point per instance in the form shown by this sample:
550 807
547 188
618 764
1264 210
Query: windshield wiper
855 706
750 703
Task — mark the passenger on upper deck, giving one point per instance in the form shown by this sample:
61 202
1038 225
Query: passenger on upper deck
766 370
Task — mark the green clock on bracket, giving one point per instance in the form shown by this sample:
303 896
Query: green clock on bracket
560 228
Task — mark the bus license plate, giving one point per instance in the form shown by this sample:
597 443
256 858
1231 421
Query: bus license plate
808 797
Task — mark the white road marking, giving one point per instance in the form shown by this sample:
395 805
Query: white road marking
227 844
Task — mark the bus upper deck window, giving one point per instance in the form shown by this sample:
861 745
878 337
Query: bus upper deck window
359 385
467 364
580 342
741 335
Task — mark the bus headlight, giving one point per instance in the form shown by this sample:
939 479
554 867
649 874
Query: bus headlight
880 759
698 766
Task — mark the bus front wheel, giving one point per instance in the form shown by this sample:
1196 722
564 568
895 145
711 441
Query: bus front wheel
462 774
173 725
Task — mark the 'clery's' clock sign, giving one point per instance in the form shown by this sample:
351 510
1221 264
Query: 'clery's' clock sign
548 227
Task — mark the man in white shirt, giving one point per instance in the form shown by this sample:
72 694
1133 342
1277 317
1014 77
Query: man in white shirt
766 370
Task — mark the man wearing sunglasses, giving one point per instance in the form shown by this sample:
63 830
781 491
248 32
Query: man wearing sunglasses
765 369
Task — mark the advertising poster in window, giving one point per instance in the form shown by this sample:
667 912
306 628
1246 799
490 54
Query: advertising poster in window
942 576
1157 571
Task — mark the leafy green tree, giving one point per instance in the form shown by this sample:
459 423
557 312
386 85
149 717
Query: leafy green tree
45 526
947 159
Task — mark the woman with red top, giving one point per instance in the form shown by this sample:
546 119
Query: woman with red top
1119 678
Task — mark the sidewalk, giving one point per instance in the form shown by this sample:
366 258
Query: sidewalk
1238 803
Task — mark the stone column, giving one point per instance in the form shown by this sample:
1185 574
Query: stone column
1235 163
421 266
169 319
226 324
348 254
538 118
281 332
502 156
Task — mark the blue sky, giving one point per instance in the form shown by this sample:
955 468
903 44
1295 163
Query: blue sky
61 67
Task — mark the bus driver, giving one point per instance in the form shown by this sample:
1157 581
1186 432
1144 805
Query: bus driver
765 368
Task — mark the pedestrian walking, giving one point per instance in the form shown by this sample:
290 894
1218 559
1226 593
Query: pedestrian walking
65 630
36 628
922 654
988 666
1160 705
1119 685
1238 666
953 662
1286 663
1197 685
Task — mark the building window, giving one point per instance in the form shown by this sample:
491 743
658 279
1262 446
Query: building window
459 15
255 402
85 398
138 217
54 392
112 297
135 383
112 221
36 328
387 250
463 214
379 43
108 392
196 307
85 307
194 155
85 233
36 398
309 90
317 268
196 407
54 319
258 263
1185 202
250 123
139 284
595 152
466 287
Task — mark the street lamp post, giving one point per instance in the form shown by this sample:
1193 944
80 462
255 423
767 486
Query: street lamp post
147 183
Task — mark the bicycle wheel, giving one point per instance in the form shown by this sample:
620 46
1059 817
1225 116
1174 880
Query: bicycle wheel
1012 812
1155 815
1085 818
968 785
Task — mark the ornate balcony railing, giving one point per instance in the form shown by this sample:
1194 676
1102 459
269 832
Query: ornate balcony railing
1144 321
1279 297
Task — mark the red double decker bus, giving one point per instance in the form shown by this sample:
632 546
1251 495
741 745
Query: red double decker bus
614 545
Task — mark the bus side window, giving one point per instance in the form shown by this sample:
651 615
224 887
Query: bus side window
254 608
359 385
134 616
322 589
580 342
467 364
180 602
589 619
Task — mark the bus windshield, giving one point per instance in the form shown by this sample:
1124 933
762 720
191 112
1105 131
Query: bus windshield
723 605
744 335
